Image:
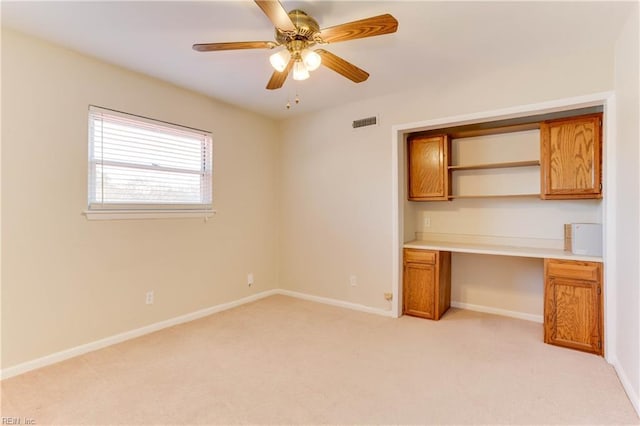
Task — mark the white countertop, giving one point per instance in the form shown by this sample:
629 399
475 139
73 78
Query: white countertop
499 250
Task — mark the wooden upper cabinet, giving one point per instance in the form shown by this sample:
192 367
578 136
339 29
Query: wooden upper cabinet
571 157
428 161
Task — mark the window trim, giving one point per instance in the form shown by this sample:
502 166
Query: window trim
119 211
148 214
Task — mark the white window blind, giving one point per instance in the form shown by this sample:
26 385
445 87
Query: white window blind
137 163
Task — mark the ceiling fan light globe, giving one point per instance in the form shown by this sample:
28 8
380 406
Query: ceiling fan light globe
300 71
311 59
279 60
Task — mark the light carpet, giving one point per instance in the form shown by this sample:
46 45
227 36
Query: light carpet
284 360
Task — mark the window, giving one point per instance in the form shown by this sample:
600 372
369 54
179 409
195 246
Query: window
141 165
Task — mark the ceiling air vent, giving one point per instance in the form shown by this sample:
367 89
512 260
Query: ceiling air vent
364 122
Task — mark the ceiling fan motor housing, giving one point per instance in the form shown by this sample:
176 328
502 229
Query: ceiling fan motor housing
306 29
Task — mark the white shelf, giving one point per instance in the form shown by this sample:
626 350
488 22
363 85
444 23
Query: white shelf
505 165
534 252
532 195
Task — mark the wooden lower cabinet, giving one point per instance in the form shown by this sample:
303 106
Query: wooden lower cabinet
573 315
426 283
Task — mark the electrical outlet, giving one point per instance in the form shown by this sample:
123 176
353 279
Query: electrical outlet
353 280
426 222
250 279
149 298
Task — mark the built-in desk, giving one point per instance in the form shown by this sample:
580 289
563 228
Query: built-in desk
573 315
543 253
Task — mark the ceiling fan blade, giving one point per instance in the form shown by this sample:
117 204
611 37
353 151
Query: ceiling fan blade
276 14
278 78
369 27
212 47
342 67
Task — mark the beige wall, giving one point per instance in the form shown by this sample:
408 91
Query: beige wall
336 182
627 259
67 281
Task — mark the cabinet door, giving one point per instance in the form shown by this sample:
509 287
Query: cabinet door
573 305
428 168
572 314
419 289
570 157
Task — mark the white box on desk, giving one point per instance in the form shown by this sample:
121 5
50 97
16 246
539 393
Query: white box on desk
583 238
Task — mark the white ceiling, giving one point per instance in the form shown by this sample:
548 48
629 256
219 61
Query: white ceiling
435 41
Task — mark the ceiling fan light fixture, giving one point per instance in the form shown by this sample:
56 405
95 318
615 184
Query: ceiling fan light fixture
300 71
311 59
279 60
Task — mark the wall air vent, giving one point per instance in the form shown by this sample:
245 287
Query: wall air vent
363 122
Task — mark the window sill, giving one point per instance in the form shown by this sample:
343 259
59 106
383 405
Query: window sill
147 214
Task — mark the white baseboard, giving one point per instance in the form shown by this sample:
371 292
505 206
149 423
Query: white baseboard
335 302
498 311
112 340
626 384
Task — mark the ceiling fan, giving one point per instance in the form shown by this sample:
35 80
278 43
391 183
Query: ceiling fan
297 32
